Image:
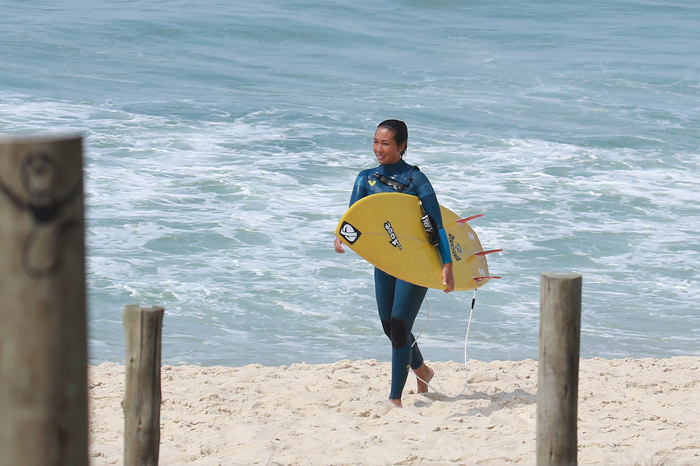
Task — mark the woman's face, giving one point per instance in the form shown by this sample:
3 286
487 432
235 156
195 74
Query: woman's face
385 147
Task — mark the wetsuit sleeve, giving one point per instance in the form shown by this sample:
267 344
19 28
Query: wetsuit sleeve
359 189
430 204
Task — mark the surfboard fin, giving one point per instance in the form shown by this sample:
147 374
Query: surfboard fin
465 220
479 279
483 253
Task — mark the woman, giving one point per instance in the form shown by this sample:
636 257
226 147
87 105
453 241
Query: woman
398 302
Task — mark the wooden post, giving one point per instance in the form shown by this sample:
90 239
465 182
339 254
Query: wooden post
43 322
557 382
142 329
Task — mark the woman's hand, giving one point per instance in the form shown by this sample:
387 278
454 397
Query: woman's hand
339 246
447 278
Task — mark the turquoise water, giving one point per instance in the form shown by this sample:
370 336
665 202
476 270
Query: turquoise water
222 142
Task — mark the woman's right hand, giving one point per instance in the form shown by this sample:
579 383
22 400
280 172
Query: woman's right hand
448 278
338 246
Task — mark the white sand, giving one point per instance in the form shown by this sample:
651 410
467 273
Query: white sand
631 411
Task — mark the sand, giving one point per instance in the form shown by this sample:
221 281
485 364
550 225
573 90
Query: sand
631 411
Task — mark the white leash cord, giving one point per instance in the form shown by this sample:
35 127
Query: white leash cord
466 339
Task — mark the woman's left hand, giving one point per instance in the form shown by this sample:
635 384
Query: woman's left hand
447 278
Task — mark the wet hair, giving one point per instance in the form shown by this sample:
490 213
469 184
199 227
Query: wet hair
400 131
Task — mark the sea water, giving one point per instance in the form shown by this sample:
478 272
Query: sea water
222 140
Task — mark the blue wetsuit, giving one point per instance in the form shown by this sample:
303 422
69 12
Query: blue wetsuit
398 301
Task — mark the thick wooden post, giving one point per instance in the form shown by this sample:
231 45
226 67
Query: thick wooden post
43 323
557 383
142 329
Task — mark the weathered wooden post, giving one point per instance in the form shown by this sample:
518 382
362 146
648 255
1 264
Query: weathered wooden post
557 382
43 323
142 396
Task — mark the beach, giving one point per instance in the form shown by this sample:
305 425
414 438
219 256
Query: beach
630 411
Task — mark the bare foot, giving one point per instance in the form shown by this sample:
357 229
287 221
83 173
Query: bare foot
397 403
424 376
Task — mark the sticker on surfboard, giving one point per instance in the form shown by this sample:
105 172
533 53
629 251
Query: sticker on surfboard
350 233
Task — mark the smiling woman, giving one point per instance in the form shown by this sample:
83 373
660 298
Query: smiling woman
399 301
390 142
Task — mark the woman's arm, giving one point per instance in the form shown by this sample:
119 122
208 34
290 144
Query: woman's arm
431 206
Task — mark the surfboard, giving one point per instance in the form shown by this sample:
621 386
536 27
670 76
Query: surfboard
386 230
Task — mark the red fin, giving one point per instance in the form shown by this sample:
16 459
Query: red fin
465 220
483 253
478 279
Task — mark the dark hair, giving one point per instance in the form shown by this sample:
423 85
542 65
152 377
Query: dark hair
400 131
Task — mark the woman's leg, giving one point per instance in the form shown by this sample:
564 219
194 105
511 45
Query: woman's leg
398 303
384 288
407 301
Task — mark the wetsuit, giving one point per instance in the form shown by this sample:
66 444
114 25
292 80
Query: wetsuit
398 301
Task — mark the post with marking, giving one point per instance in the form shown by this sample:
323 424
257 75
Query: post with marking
558 362
43 318
142 396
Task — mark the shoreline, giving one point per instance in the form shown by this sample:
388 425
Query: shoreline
631 411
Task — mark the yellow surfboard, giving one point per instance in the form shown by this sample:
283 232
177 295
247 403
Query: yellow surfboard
386 230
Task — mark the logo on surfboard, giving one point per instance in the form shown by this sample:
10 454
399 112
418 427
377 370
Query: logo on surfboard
455 247
394 239
349 232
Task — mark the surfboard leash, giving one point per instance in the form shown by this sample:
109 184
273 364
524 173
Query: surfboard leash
436 388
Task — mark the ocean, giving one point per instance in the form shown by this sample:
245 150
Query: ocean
222 140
